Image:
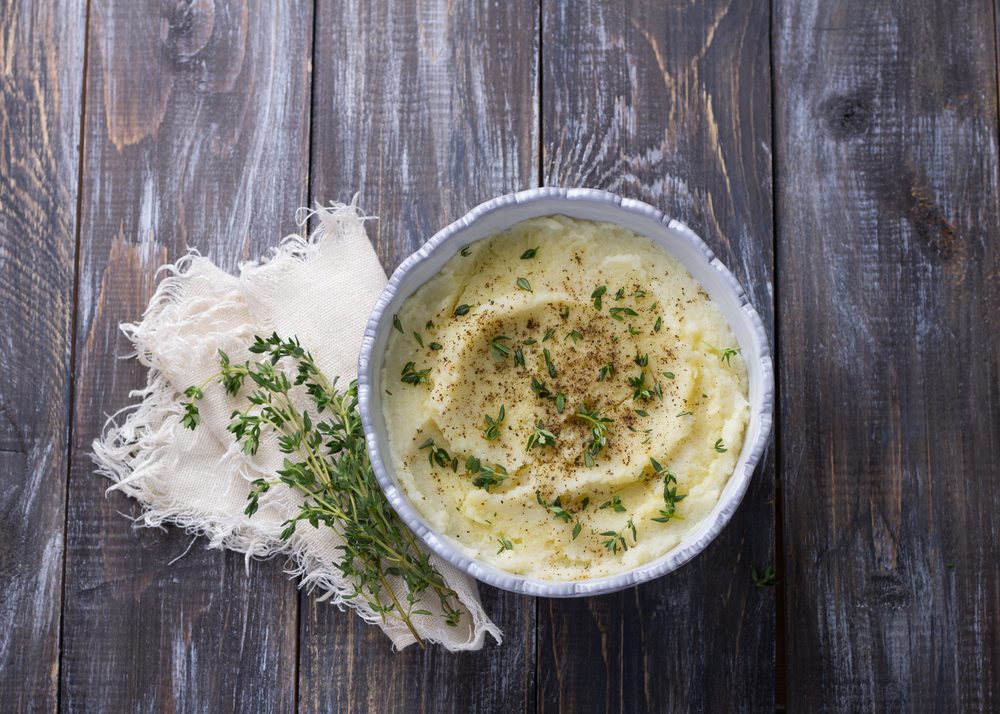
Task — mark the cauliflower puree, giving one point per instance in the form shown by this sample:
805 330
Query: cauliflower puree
563 400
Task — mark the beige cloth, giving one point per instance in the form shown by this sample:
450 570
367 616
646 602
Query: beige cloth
319 289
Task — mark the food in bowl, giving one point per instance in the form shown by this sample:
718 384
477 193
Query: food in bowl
563 400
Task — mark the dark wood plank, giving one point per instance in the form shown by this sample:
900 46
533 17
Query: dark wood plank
889 285
42 55
426 109
196 133
669 103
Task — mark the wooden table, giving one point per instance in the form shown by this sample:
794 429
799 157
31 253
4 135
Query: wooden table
839 155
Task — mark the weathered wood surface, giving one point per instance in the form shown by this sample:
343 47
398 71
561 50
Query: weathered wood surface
889 286
427 109
41 75
206 123
196 134
669 103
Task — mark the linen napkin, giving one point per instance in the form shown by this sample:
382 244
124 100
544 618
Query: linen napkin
318 288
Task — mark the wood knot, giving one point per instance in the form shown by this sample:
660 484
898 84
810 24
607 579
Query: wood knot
846 116
186 28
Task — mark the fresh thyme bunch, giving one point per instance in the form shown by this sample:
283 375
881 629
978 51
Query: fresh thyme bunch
327 463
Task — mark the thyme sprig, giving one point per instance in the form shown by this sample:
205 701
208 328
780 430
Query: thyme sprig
641 391
616 539
484 476
764 579
540 437
438 455
607 371
326 461
597 295
598 432
411 375
549 365
615 504
539 389
555 507
492 432
498 349
617 313
670 495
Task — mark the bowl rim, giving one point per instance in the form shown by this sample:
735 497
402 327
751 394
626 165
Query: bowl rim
709 527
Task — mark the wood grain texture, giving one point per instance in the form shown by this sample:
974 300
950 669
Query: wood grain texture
889 280
196 134
426 109
41 79
669 103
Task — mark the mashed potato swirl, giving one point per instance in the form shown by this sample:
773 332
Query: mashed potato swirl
563 400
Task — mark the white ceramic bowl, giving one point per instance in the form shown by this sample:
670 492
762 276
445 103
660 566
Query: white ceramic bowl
641 218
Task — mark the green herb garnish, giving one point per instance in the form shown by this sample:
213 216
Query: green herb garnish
438 455
418 338
462 309
548 363
719 447
397 324
616 539
529 254
767 579
504 545
492 432
598 432
617 312
484 476
614 504
606 372
670 497
519 357
658 324
540 390
523 284
642 391
728 354
436 346
540 437
498 349
555 508
548 334
574 335
410 375
597 294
